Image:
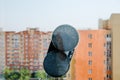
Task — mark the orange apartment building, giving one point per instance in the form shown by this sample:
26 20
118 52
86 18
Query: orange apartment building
92 58
26 49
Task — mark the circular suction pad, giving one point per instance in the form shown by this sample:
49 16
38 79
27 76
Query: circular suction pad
65 38
56 64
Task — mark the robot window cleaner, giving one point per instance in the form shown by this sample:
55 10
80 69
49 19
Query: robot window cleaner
64 40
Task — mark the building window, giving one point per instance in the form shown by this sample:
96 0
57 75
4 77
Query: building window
105 62
90 36
90 45
89 78
105 53
90 62
104 78
89 53
90 71
108 76
109 67
108 36
105 45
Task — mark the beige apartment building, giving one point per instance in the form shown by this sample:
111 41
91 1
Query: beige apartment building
114 25
2 50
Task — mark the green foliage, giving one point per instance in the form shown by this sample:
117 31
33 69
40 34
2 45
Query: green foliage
14 75
40 74
10 74
25 74
7 73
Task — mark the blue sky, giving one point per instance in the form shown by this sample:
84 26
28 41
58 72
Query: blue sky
16 15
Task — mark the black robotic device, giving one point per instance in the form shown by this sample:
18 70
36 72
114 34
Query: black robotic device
61 49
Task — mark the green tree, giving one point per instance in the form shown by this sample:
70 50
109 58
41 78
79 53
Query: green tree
40 74
25 74
7 73
14 75
10 74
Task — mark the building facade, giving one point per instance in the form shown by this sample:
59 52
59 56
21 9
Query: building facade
90 59
26 49
115 31
12 49
113 24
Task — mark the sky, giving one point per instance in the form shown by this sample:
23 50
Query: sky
17 15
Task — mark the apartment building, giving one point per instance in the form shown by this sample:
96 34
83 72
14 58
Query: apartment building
12 49
91 56
115 31
26 49
113 24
